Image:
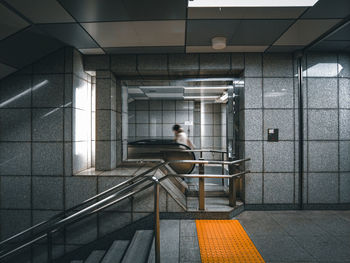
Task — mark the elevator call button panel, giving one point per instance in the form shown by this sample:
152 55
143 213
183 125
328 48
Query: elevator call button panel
272 135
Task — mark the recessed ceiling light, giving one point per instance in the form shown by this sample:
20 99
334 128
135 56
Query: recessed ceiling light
200 97
251 3
135 91
205 88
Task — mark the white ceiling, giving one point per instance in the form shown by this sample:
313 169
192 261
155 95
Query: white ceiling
138 33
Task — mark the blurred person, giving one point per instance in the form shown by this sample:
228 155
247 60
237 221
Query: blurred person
181 136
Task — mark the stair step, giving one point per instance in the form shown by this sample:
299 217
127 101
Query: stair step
116 251
152 256
95 256
139 248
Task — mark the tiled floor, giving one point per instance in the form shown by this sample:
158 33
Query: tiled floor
280 236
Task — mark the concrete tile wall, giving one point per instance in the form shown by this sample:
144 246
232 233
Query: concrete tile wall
270 101
36 108
155 119
108 121
213 128
81 116
327 144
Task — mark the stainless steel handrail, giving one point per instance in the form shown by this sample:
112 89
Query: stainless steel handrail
228 176
56 217
195 150
78 215
103 204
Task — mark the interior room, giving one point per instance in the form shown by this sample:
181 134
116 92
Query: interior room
174 131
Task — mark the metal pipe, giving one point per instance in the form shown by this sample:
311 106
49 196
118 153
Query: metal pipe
301 131
156 220
110 200
223 168
232 188
210 162
29 230
201 188
227 176
45 234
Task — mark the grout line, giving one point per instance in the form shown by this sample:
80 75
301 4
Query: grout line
263 128
63 141
338 99
306 99
294 130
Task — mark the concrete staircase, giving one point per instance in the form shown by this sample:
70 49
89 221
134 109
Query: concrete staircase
135 251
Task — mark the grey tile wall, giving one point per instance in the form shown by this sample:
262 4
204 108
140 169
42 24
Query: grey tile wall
326 121
108 121
81 115
155 118
39 107
270 101
213 127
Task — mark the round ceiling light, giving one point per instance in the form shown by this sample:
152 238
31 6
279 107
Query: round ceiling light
218 42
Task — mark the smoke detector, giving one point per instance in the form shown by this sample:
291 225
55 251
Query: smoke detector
218 42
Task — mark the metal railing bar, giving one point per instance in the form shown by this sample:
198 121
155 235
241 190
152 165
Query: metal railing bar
81 204
209 175
17 248
210 162
79 215
109 201
122 198
198 150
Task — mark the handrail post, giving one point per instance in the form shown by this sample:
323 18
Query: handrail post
49 247
201 188
232 188
223 167
156 221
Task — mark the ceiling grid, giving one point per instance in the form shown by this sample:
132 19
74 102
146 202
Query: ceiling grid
31 29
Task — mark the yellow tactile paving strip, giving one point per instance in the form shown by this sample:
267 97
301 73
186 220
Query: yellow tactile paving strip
225 241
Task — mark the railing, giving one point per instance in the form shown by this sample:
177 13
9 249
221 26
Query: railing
201 151
114 195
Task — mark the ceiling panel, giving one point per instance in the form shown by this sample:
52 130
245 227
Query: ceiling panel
6 70
237 32
245 13
329 9
259 32
41 11
209 49
26 47
138 33
71 34
119 10
145 50
304 32
10 23
342 34
197 36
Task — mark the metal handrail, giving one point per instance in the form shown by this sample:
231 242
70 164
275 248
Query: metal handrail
195 150
94 208
59 215
228 176
210 161
103 204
